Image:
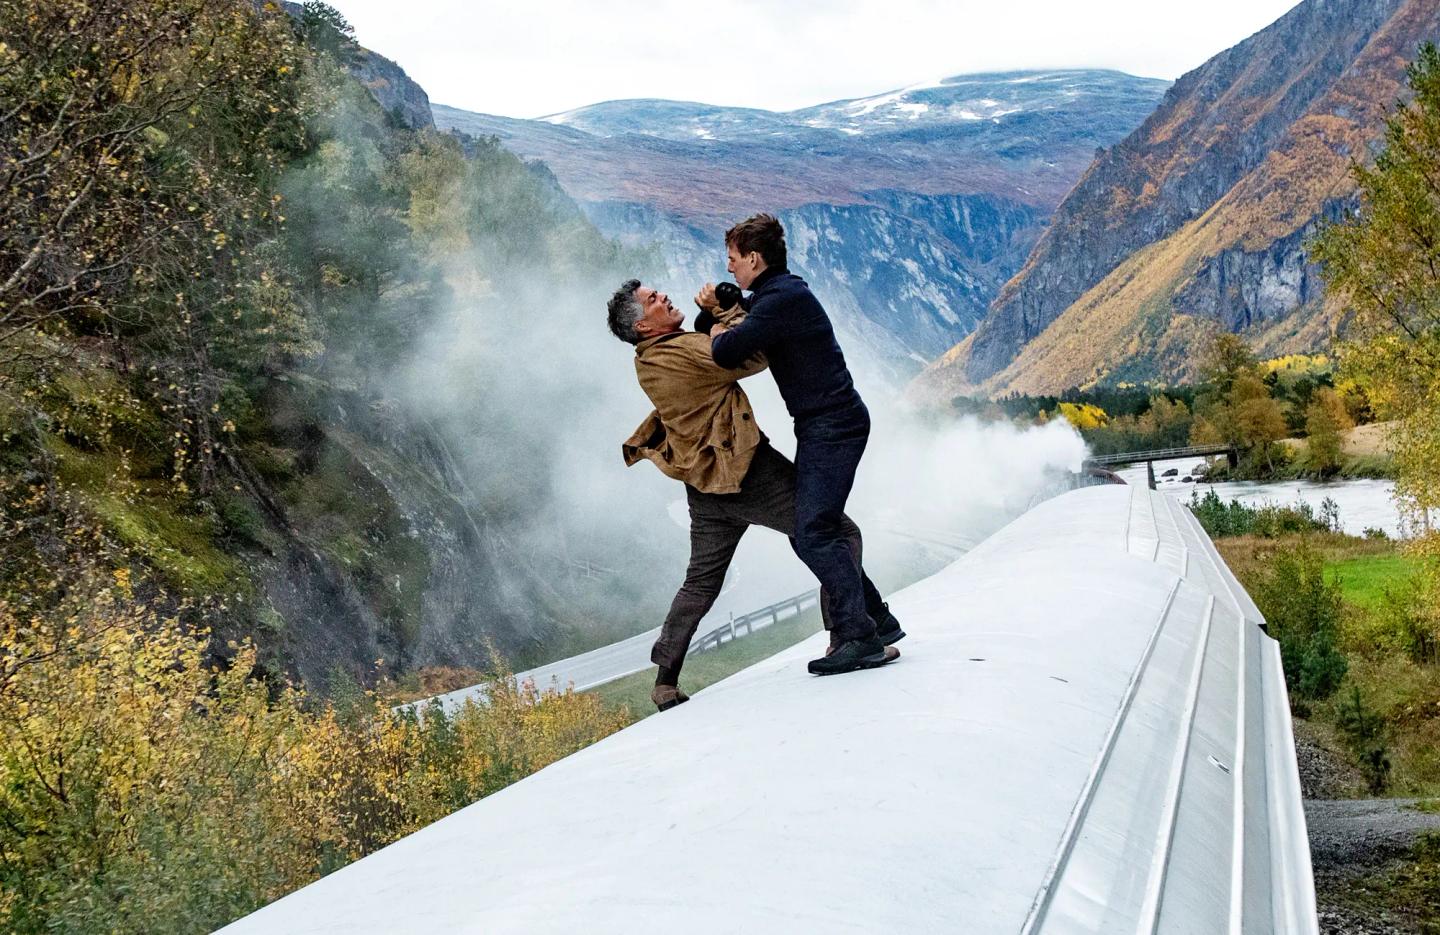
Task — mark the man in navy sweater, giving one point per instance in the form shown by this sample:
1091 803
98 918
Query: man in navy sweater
787 324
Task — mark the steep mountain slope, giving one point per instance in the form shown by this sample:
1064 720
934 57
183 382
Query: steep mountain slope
907 209
1198 219
318 433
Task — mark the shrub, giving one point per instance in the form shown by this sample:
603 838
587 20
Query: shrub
146 790
1304 616
1365 735
1417 884
1330 514
1410 612
1220 519
1400 622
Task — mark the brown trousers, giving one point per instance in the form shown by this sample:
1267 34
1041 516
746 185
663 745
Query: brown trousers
717 521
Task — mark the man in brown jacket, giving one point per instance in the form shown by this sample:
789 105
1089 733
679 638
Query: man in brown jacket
703 432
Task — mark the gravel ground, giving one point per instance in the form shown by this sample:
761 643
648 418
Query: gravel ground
1353 841
1364 833
1324 774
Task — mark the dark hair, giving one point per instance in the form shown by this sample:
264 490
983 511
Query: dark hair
760 232
625 312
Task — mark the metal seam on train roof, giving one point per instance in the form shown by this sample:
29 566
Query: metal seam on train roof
1156 884
1045 895
1237 858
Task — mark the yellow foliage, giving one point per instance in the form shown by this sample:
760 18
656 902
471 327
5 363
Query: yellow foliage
145 790
1297 362
1083 415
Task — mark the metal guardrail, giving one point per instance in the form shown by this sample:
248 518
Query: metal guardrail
627 662
746 624
754 620
1162 454
732 629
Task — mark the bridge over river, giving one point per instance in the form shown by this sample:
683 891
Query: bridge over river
1088 732
1164 454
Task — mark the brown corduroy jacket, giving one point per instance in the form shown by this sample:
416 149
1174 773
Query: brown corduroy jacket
703 430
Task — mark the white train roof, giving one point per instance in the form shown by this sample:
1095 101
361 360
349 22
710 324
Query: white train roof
1087 732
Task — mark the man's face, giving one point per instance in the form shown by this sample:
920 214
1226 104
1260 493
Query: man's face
744 266
660 315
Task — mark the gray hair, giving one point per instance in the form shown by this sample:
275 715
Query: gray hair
625 312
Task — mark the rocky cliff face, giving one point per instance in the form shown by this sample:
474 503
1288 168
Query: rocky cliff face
903 276
404 100
916 269
1218 189
1243 289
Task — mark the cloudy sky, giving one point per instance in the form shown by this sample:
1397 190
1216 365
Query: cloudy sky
528 59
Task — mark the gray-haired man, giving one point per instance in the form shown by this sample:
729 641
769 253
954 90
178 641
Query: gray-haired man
703 432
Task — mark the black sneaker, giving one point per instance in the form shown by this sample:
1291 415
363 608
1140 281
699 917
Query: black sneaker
887 628
849 656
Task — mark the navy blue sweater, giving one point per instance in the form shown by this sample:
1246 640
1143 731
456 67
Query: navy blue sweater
787 323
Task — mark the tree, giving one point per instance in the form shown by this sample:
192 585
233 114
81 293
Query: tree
138 146
1326 422
1258 420
325 29
1083 415
1245 416
1166 424
1384 263
1226 359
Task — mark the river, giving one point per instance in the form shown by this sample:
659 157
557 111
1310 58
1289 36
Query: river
1363 503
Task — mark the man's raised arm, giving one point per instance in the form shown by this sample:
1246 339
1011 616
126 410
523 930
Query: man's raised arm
731 347
715 320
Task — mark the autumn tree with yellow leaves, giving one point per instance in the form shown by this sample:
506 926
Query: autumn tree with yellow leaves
1326 422
1384 264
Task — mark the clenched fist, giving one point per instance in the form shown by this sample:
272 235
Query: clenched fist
705 298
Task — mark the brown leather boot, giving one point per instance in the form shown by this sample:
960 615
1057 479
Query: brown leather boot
667 697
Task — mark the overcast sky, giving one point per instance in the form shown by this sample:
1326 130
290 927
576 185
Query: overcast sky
528 59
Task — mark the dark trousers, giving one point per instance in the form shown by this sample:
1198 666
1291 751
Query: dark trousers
767 498
828 448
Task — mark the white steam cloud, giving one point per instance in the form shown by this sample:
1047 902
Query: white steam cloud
535 397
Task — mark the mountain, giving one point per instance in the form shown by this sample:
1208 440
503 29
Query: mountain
314 429
1022 135
906 210
1198 219
396 93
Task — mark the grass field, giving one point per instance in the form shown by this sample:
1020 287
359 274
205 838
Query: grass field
707 668
1395 685
1364 579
